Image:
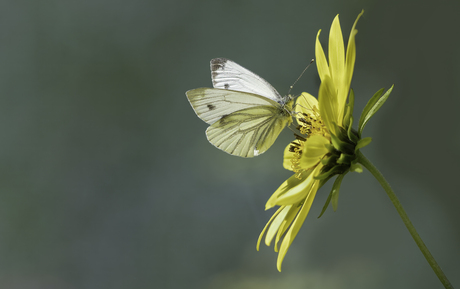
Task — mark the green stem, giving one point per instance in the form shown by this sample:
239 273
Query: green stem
386 186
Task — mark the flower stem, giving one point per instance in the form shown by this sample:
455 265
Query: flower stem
386 186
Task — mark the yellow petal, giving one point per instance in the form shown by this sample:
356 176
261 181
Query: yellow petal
296 225
321 62
306 103
276 224
288 156
314 151
297 193
328 105
266 226
287 222
291 189
351 52
336 52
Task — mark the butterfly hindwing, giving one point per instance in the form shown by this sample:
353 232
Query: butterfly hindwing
248 132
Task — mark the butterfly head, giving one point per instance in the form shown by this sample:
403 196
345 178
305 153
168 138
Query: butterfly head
287 104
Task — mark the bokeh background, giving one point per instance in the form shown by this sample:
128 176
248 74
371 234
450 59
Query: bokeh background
107 180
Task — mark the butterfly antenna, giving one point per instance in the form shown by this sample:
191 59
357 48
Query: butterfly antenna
290 88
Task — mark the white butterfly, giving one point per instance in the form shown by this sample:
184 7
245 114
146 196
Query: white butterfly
246 114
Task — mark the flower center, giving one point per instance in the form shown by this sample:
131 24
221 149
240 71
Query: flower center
309 124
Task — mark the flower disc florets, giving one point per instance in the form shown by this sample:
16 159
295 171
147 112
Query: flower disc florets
341 148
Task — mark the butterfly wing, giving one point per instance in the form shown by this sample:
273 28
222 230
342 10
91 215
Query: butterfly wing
227 74
248 132
242 124
211 104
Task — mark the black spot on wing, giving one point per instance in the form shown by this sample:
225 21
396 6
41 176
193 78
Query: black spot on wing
226 86
211 107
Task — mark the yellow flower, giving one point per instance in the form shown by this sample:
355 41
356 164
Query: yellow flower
326 146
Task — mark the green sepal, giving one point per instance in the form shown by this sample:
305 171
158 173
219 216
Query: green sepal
374 104
368 107
335 191
333 195
328 161
326 204
321 183
351 133
342 146
325 160
333 171
362 143
342 134
348 113
330 147
346 118
355 167
346 159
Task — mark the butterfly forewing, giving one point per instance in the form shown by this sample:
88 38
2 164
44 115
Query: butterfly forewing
227 74
248 132
210 104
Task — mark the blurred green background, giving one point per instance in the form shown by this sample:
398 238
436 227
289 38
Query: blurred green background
108 181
